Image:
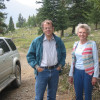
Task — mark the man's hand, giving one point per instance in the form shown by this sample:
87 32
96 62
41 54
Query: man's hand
40 69
58 68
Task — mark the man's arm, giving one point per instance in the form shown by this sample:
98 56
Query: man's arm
31 55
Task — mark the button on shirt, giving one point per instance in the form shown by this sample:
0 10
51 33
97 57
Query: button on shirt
49 57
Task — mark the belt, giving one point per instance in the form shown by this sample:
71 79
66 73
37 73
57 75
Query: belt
49 67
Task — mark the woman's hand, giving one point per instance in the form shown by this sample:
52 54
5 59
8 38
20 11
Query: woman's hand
71 80
94 80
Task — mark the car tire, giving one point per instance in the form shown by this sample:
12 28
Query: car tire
17 82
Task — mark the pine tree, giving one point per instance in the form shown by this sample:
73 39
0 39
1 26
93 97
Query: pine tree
96 3
31 21
95 13
21 21
3 26
45 12
11 25
54 10
78 12
61 16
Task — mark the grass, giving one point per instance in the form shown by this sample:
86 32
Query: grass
24 36
69 40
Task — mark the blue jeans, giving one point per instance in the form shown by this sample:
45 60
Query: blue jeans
82 82
47 78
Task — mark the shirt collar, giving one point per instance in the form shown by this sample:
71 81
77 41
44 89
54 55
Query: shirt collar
45 39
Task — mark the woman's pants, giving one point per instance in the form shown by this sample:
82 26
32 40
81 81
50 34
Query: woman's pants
82 82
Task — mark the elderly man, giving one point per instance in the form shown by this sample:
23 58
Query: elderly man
46 55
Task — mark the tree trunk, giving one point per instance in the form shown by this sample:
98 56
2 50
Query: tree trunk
96 26
73 30
62 33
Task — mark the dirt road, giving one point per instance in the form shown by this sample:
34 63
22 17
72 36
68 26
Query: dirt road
27 89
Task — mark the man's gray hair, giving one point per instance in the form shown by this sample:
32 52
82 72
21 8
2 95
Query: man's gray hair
47 21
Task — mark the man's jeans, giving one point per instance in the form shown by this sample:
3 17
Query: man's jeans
47 78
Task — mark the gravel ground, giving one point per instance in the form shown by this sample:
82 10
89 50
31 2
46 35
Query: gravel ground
27 89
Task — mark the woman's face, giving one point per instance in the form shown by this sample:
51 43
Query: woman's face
82 34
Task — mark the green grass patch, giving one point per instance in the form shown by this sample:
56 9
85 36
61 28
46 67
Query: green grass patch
24 36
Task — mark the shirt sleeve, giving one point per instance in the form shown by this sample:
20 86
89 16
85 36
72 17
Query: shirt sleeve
31 55
71 70
96 61
72 67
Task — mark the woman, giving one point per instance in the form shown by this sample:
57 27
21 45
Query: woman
84 68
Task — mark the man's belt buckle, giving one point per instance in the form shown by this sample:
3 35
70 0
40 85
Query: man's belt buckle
50 67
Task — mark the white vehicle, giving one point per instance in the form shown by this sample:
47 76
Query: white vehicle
10 67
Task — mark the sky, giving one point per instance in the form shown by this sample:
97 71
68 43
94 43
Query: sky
25 7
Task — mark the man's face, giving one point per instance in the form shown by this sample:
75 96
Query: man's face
48 29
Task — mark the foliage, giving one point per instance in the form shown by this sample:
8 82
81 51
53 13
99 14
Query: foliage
28 34
54 10
45 12
31 21
11 25
96 3
64 14
78 12
61 17
21 21
66 87
94 16
63 83
3 26
23 37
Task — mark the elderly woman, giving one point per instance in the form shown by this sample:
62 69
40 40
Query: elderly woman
84 68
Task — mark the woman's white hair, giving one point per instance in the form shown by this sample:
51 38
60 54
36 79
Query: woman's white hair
85 26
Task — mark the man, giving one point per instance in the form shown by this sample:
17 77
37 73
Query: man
46 55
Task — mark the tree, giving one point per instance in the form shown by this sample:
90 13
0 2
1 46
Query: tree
3 26
61 17
11 25
31 21
45 12
54 10
21 21
95 13
96 3
78 12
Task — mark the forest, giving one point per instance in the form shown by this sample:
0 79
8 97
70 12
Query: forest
64 14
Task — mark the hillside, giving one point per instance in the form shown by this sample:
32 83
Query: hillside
24 36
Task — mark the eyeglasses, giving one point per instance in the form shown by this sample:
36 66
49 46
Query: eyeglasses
82 32
47 28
